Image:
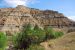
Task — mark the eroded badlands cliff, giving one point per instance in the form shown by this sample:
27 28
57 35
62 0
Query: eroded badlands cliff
12 19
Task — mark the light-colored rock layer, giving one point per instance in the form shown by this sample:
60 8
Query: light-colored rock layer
12 19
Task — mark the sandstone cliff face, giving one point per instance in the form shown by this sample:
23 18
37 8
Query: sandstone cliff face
12 19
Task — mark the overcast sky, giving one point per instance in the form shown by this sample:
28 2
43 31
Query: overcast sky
67 7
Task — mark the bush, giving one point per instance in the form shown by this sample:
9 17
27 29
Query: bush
3 40
51 34
39 34
21 41
36 47
58 34
28 36
33 35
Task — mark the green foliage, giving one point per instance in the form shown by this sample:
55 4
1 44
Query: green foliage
51 34
58 34
27 28
33 35
39 34
21 41
28 36
3 40
35 47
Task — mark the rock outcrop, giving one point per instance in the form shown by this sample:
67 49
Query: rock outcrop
12 19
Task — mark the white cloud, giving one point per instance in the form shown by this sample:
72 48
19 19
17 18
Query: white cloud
71 17
14 3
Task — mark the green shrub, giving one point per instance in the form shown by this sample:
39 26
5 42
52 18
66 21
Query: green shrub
58 34
21 41
51 34
33 35
35 47
28 36
39 34
3 40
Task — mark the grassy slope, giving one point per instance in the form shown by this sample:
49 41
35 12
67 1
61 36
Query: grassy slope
66 42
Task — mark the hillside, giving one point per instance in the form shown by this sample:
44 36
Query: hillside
66 42
12 19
